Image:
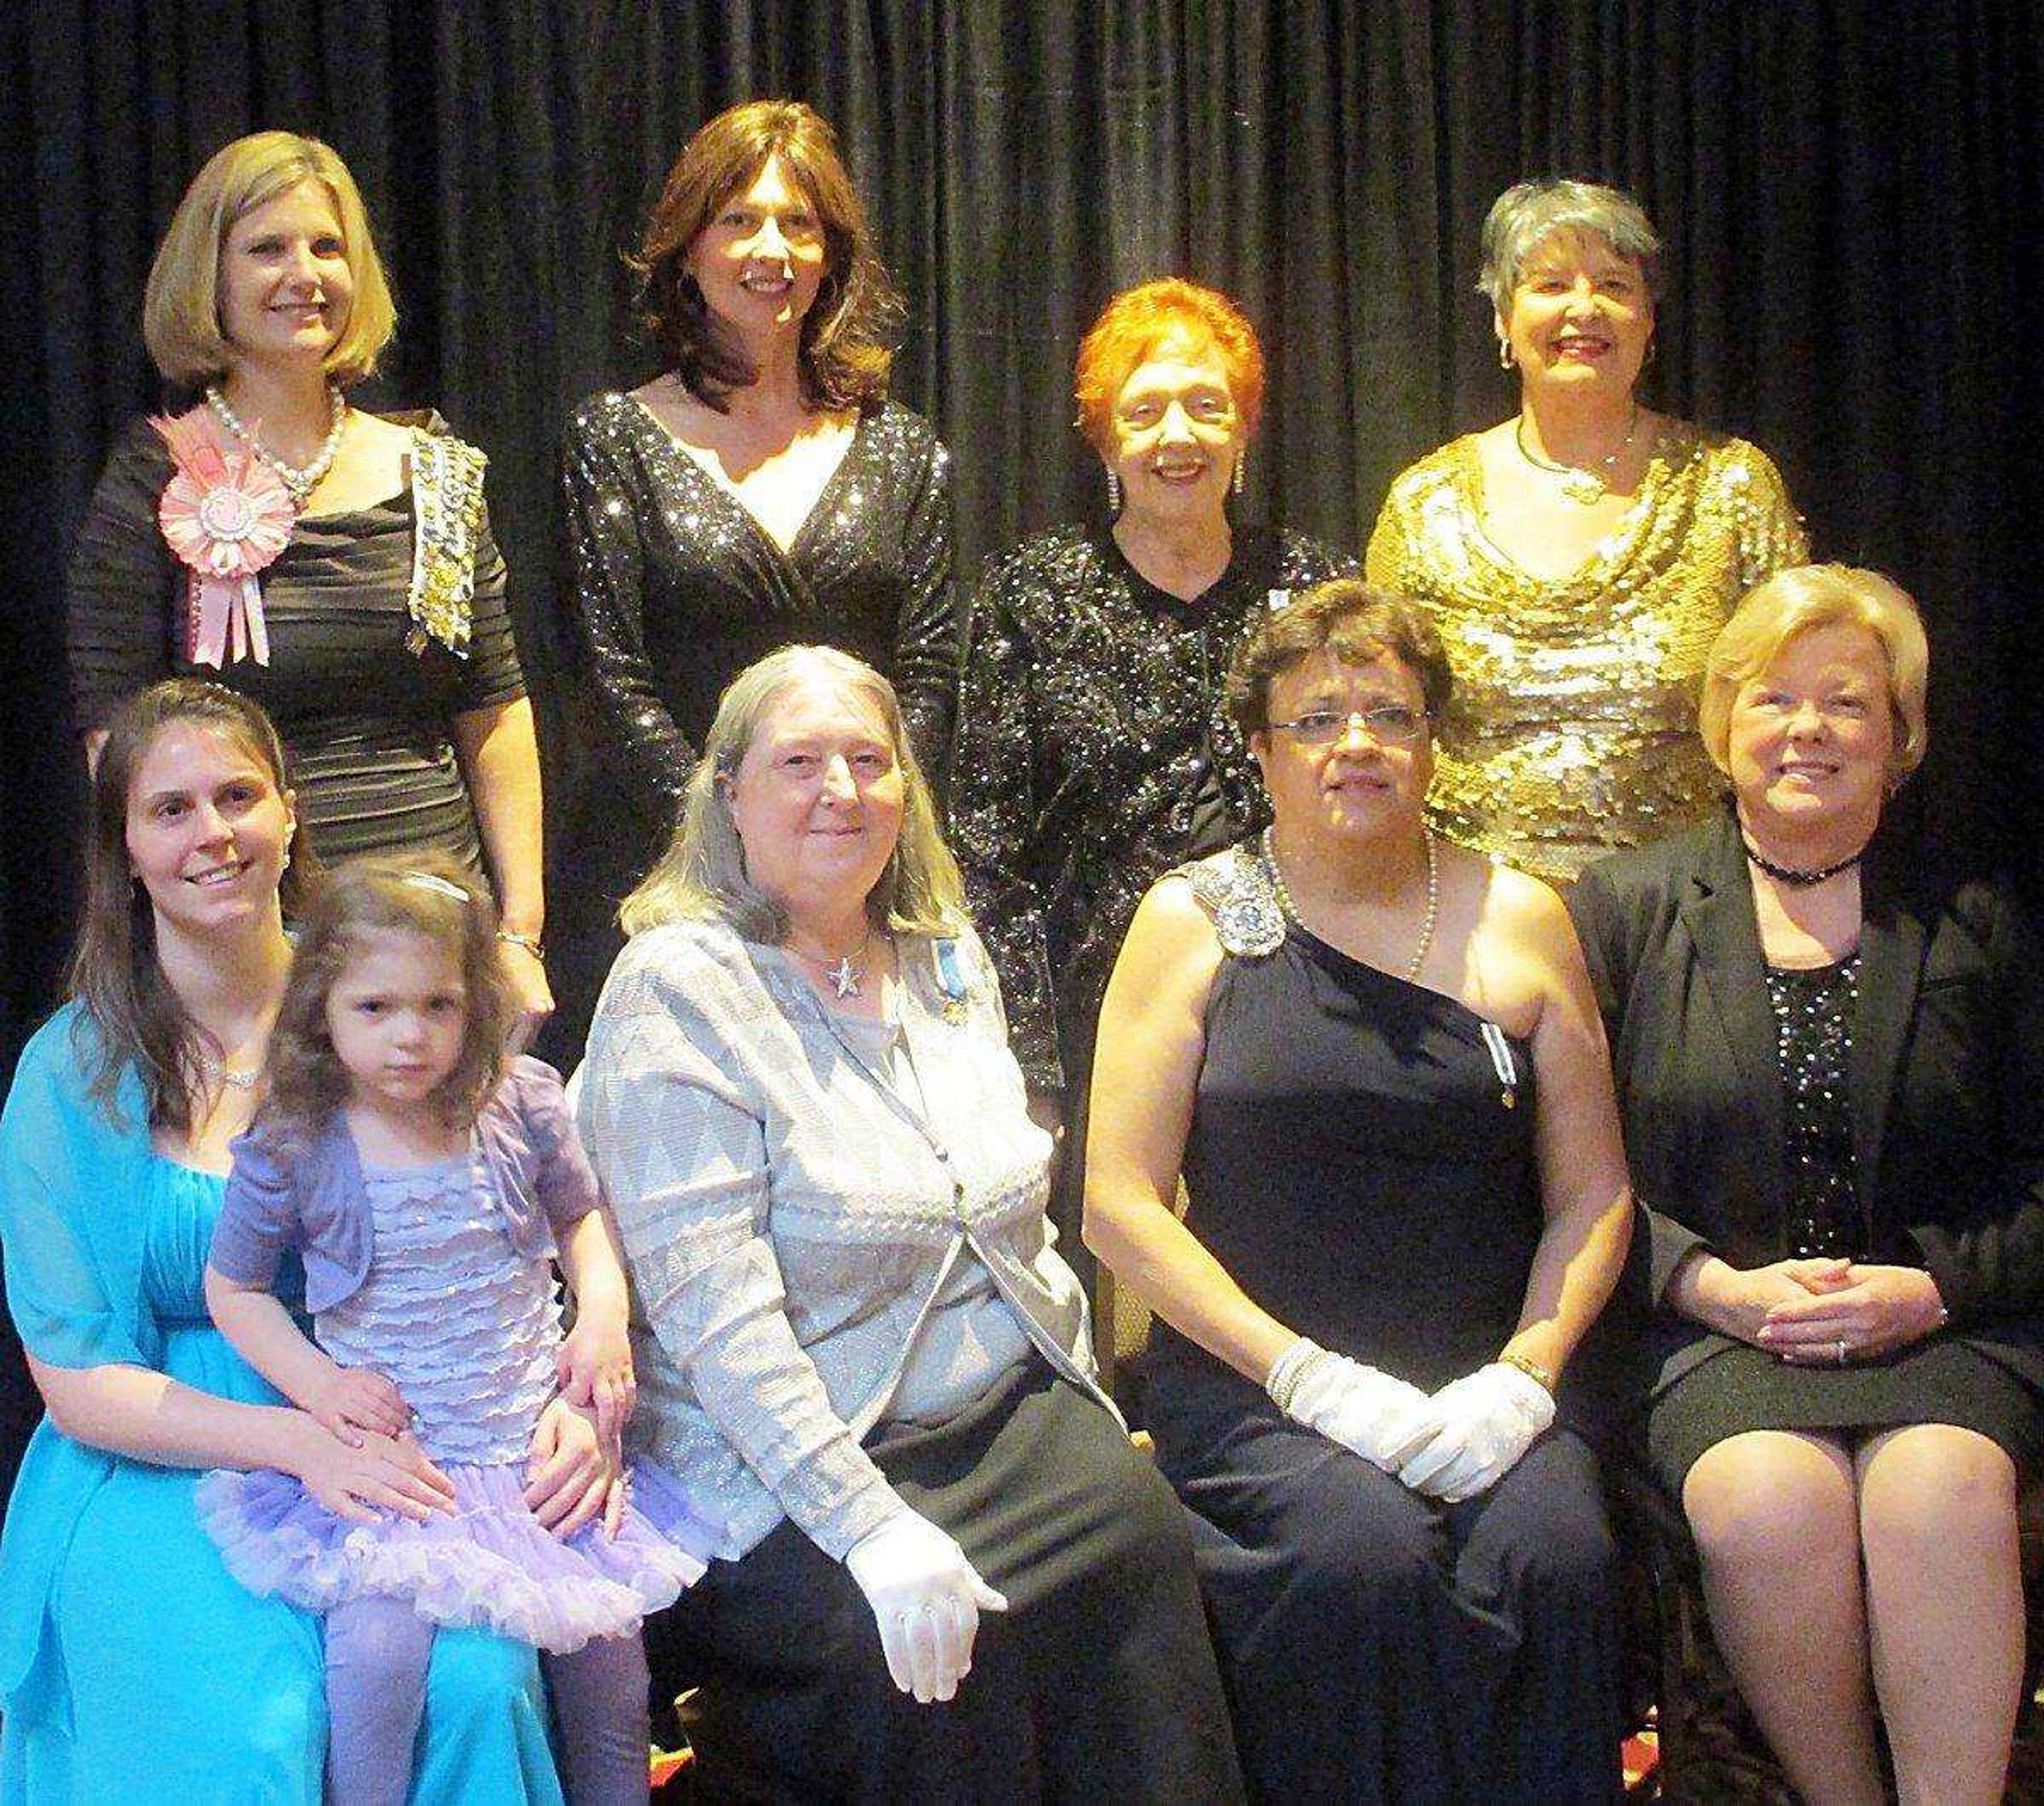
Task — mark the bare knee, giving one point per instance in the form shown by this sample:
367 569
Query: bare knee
1770 1498
1935 1486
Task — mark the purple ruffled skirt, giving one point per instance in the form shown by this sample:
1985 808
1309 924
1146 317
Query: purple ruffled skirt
488 1562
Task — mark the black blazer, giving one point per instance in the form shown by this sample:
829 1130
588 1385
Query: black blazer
1946 1073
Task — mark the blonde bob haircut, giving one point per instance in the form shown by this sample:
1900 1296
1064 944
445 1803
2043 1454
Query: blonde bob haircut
1801 600
702 876
181 305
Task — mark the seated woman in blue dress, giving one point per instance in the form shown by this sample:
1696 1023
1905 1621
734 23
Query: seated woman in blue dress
129 1658
1830 1066
1375 1062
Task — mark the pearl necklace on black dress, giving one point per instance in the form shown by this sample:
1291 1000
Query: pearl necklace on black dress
1427 925
301 480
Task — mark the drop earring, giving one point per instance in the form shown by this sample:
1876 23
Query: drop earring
1504 358
1241 479
1113 493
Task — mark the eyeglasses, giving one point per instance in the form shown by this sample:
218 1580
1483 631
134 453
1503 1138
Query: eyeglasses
1389 724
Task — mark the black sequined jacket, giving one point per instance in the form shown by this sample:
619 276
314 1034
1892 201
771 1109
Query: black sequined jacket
1093 754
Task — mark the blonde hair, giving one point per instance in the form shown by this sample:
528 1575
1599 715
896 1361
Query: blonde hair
417 893
181 305
1801 600
702 876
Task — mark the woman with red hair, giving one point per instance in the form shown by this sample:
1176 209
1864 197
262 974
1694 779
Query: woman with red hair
1094 750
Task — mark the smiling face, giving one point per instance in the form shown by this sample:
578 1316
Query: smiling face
1811 741
285 285
396 1015
206 831
1357 783
763 255
1580 314
1177 433
818 799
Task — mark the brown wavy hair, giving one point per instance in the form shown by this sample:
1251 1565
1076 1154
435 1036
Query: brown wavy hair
114 976
418 893
846 349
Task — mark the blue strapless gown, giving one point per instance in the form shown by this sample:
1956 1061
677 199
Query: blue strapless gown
182 1686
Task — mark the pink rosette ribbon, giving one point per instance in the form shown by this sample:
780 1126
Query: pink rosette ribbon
226 515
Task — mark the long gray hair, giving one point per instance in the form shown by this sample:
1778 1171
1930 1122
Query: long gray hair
702 873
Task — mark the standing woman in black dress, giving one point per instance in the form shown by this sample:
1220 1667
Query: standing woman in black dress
764 489
334 565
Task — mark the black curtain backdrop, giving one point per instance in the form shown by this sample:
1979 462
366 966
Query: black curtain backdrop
1853 193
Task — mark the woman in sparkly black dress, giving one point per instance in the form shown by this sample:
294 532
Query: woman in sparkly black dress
1829 1065
385 654
1375 1062
763 490
1094 752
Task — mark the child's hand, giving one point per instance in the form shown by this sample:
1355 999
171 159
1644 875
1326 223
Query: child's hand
571 1475
349 1399
594 1368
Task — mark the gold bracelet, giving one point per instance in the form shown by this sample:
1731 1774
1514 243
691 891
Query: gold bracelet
1530 1367
531 943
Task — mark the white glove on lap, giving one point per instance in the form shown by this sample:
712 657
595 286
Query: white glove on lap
1488 1419
926 1599
1368 1412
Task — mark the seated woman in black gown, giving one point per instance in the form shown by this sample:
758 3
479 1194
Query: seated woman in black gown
1830 1069
762 490
365 608
1375 1062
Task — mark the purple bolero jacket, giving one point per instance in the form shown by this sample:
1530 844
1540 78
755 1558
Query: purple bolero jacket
317 1203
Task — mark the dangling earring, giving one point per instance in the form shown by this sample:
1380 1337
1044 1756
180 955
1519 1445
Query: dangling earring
1241 474
1653 345
1505 360
1113 493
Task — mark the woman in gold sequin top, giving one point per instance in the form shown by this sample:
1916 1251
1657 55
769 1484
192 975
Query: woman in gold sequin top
1580 557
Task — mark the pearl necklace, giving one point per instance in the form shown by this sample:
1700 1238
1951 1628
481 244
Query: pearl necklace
845 973
299 481
1584 487
1427 923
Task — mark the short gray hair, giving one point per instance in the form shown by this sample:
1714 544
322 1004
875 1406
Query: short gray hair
1528 213
702 873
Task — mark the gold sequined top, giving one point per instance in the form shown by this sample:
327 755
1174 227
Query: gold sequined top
1572 729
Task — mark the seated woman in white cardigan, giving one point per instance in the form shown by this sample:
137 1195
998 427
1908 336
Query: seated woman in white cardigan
863 1361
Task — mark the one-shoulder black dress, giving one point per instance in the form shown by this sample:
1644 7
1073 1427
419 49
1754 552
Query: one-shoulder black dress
1362 1161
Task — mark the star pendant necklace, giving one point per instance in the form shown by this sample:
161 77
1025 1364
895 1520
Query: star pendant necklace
844 974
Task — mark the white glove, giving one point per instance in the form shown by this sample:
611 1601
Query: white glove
926 1598
1371 1413
1488 1419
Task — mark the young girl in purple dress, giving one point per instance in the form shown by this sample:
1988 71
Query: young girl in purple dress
427 1184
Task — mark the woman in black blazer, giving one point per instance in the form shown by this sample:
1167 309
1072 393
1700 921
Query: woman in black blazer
1830 1062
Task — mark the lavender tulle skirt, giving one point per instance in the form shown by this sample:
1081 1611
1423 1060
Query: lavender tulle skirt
488 1562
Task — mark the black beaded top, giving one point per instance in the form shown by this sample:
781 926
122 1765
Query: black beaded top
677 588
1814 1012
1094 754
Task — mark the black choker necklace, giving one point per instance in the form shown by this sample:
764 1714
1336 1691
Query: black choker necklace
1801 879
